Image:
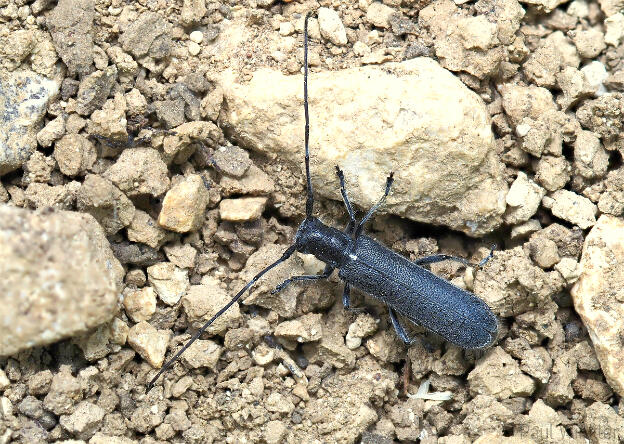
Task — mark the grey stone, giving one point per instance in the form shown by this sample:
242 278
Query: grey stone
71 26
24 97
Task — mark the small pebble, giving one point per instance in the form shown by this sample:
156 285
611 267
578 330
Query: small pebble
140 304
573 208
331 26
286 28
169 281
615 29
194 48
196 36
4 381
569 269
184 205
242 209
596 73
150 343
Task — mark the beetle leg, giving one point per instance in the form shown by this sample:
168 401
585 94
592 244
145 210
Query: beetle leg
345 198
307 277
400 330
346 297
368 215
346 301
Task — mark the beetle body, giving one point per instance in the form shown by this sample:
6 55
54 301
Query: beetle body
413 291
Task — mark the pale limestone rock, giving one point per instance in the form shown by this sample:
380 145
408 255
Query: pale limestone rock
231 160
182 255
139 171
523 199
180 145
202 302
110 121
413 118
196 36
275 432
596 416
150 343
83 422
307 328
263 354
551 127
611 7
119 331
379 14
103 200
589 42
525 229
144 229
598 295
543 417
169 281
578 8
254 182
202 353
567 50
574 85
194 48
331 26
57 268
184 205
552 172
243 209
615 29
596 74
543 65
574 208
498 374
591 160
53 130
140 304
363 326
612 199
95 344
569 269
462 42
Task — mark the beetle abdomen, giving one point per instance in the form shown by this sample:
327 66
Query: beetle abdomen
421 296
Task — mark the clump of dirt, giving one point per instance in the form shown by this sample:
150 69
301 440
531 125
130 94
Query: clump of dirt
158 146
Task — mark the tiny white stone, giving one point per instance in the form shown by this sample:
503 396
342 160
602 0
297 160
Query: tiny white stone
596 73
578 8
353 257
615 29
196 36
286 28
523 129
194 48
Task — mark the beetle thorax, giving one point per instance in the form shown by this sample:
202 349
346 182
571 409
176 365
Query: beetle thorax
328 244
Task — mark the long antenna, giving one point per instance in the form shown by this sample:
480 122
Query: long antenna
169 363
310 199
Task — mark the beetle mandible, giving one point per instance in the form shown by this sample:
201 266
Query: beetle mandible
408 289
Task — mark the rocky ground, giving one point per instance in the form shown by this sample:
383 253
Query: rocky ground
151 164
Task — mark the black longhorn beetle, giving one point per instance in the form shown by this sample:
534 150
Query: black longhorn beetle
407 288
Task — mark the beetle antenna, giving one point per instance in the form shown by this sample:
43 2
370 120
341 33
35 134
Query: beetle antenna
169 363
310 199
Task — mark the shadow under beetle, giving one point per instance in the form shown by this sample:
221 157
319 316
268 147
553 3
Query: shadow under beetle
408 289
